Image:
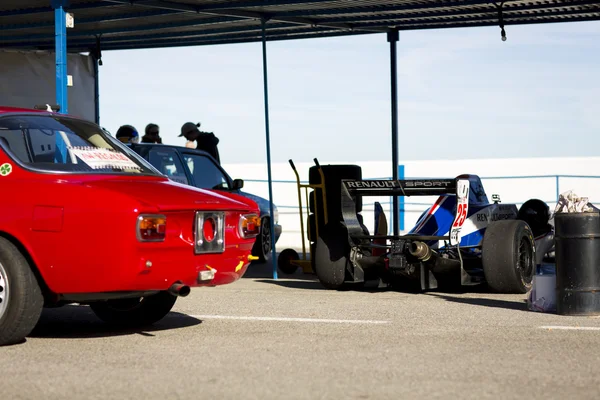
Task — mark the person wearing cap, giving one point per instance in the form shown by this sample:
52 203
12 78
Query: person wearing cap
128 134
206 141
152 134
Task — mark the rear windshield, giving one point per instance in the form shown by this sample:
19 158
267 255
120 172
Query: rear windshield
55 143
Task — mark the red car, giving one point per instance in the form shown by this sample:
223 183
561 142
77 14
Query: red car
85 220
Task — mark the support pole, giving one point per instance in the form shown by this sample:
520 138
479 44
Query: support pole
266 97
96 91
392 37
97 57
60 44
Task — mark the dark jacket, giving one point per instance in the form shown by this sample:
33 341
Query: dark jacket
207 141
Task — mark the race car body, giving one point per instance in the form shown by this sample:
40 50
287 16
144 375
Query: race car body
438 219
462 239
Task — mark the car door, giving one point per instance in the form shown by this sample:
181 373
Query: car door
205 172
168 162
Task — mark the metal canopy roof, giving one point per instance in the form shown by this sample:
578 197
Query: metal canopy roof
135 24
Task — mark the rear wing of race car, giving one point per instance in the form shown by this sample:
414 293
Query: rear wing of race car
351 189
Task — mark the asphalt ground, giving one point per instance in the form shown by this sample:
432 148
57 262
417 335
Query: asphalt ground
291 339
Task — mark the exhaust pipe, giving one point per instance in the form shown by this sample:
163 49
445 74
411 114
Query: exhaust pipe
179 289
420 250
433 259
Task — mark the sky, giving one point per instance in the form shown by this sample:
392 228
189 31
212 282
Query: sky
462 94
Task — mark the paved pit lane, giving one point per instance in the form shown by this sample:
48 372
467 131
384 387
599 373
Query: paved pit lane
292 339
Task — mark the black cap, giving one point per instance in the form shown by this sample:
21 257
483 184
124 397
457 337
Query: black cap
189 127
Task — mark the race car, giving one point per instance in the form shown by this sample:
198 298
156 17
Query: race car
462 239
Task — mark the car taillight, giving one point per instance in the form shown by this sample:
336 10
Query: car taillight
209 232
249 226
151 228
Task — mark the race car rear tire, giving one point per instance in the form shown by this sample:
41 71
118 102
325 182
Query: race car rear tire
21 298
508 256
332 254
135 312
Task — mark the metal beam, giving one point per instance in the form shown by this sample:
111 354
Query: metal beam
44 43
41 10
375 24
507 11
268 139
200 34
225 39
468 21
195 34
127 29
106 18
235 13
60 18
402 21
392 38
384 8
255 3
217 6
495 23
165 5
423 6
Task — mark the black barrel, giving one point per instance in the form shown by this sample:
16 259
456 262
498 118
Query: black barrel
577 241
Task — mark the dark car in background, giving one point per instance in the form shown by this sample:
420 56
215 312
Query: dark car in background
198 168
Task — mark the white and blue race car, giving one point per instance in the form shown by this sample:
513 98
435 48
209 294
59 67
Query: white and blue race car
462 239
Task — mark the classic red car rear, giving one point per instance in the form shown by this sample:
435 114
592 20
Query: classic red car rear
85 220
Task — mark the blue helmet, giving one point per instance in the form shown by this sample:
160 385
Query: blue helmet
128 134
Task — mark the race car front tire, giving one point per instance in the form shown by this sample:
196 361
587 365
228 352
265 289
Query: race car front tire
508 256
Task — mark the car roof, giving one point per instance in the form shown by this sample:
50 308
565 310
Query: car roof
174 146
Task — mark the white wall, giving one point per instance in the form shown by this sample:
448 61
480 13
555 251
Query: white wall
511 188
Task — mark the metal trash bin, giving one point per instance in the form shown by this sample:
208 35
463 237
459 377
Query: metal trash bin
577 251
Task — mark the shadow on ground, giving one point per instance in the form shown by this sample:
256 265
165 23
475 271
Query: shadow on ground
79 322
263 272
485 302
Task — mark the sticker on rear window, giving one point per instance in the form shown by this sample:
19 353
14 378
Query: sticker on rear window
98 158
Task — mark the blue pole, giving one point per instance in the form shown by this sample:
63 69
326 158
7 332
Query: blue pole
557 191
401 199
60 31
266 95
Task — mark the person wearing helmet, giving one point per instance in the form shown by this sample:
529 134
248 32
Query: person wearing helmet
206 141
128 134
